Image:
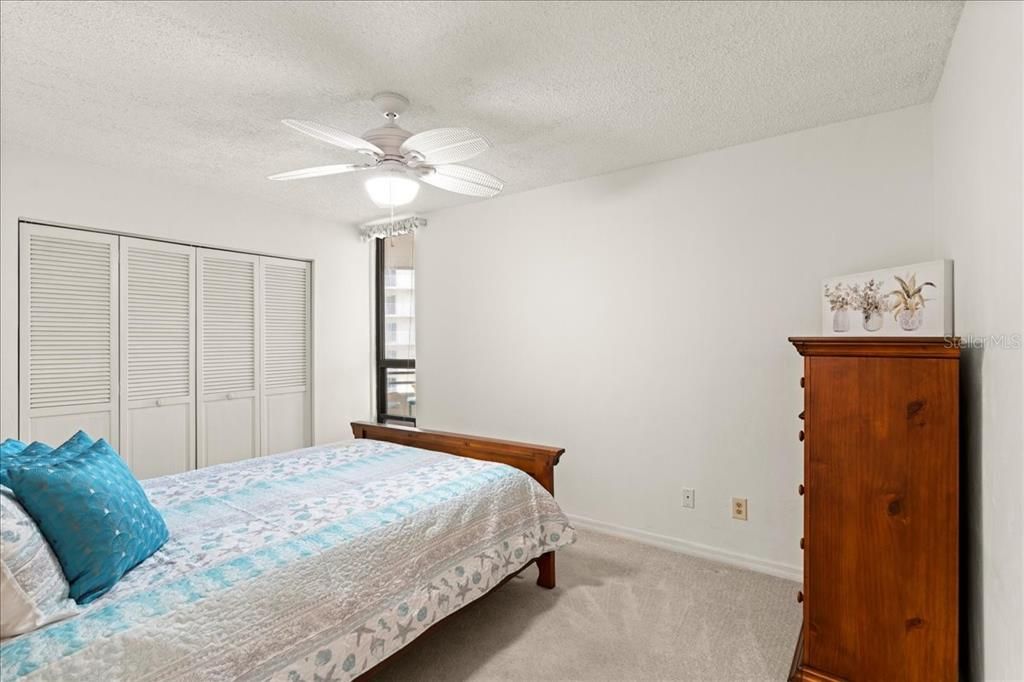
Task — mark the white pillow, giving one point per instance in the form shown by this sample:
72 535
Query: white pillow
33 590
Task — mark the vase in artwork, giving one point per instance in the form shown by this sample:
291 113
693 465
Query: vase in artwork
910 320
872 321
841 321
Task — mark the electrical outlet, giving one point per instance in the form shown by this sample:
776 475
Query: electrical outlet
688 498
739 508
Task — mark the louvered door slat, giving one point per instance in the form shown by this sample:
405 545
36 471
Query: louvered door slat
229 322
68 333
286 324
158 291
62 264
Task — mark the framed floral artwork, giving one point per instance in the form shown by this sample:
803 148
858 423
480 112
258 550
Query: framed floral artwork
910 300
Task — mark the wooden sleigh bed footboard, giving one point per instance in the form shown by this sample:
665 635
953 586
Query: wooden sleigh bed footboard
536 460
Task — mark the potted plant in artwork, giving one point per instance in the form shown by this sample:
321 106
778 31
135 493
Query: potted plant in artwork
869 300
908 302
839 303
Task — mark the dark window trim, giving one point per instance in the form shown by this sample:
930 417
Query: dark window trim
383 363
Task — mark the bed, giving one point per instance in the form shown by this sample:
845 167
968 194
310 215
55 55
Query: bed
314 564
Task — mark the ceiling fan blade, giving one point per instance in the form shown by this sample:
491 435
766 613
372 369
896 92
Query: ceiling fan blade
318 171
463 180
445 145
338 138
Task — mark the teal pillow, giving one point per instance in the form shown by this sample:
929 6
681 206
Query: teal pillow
94 514
41 454
9 449
36 448
11 446
10 452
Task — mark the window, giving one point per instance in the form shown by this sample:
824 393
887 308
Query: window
396 330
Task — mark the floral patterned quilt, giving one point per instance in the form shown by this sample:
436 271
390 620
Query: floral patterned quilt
310 565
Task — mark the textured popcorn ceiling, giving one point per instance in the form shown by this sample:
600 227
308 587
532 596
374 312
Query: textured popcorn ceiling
564 90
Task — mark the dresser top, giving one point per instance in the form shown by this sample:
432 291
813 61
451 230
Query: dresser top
879 346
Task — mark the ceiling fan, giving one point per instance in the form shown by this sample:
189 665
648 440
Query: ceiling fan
400 159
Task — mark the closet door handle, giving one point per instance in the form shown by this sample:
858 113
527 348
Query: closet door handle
800 597
801 415
801 436
801 543
801 382
800 489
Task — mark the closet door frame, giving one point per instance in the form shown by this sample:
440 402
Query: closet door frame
125 403
25 412
257 390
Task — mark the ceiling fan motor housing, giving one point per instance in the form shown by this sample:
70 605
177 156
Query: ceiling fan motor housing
389 138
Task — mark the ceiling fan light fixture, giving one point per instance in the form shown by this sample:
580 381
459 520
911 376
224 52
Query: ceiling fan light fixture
402 160
388 190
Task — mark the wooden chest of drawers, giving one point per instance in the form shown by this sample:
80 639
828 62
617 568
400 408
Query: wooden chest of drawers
880 432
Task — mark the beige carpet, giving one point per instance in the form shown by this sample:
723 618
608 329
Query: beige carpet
621 611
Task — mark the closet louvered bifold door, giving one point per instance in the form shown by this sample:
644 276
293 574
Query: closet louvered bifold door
286 402
158 408
228 350
68 343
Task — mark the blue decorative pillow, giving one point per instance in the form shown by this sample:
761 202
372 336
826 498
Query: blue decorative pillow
94 514
11 446
11 451
36 448
72 447
41 454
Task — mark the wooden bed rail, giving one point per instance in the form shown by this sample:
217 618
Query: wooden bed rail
536 460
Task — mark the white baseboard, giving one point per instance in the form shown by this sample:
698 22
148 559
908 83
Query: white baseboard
775 568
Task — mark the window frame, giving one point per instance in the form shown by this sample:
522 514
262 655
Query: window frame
384 363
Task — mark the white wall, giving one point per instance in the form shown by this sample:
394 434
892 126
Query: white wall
977 117
639 319
43 187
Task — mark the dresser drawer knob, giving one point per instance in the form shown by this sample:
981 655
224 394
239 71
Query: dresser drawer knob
801 543
801 436
800 488
801 382
800 597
